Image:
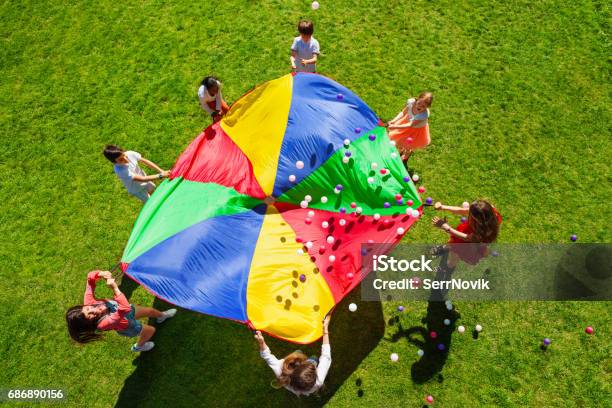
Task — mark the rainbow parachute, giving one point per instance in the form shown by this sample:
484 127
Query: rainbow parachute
207 241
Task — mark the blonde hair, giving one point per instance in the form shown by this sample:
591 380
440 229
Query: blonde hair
427 97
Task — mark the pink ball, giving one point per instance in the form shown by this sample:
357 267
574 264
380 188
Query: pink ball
429 399
350 275
383 171
298 239
421 189
353 205
409 203
308 221
409 139
433 334
398 196
322 249
589 330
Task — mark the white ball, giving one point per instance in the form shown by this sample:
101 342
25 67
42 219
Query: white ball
345 159
415 213
342 222
332 258
400 231
461 329
393 143
315 5
304 204
292 178
449 306
311 213
323 199
370 180
352 307
308 244
359 210
330 240
377 216
374 166
336 191
446 322
420 353
409 211
299 164
466 204
347 142
300 251
325 224
308 198
393 155
478 328
415 177
394 357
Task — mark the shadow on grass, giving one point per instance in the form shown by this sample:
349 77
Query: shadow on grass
200 360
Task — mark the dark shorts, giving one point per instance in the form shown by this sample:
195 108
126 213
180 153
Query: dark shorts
134 328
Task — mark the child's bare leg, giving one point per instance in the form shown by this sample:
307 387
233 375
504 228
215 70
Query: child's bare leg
146 334
142 311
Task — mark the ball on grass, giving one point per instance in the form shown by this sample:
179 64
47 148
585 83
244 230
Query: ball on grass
429 399
433 334
415 177
420 353
394 357
315 6
421 189
429 201
589 330
352 307
546 341
465 204
478 328
441 347
573 238
400 308
461 329
447 322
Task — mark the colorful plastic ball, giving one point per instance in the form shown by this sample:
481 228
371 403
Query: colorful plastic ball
299 164
372 137
415 177
398 196
346 159
374 166
409 203
377 216
330 240
589 330
478 328
461 329
408 211
358 130
336 191
420 353
370 241
339 187
400 201
409 139
546 341
322 249
325 224
386 205
302 278
449 306
383 171
447 322
304 204
315 5
421 189
353 307
346 142
292 178
394 357
300 251
415 213
308 221
339 97
359 210
463 220
364 252
573 238
308 198
332 258
392 143
441 347
350 275
495 253
353 205
387 222
433 334
400 308
406 179
348 153
311 213
342 210
309 244
370 180
323 199
342 222
429 201
465 204
298 239
400 231
429 399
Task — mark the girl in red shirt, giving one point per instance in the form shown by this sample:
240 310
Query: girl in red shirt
84 321
480 229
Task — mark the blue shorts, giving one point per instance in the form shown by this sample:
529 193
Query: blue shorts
134 328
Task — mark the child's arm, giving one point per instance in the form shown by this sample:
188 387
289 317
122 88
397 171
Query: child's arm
265 353
123 308
325 359
442 224
90 288
152 165
452 209
292 59
399 115
219 98
313 60
153 177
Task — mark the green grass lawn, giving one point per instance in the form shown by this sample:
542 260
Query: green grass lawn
521 116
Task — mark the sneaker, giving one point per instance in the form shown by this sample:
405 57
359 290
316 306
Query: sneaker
166 315
145 347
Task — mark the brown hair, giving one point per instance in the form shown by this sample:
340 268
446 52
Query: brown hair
81 329
484 223
112 152
428 96
298 372
305 27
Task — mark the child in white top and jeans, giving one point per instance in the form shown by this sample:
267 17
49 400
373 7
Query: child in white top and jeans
305 49
296 372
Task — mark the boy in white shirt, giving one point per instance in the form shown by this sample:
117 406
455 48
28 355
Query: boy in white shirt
305 49
211 99
133 177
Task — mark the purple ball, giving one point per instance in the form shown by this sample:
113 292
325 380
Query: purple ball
463 220
428 201
347 153
573 238
400 201
302 278
406 179
364 252
372 137
386 205
358 130
546 341
441 347
400 308
342 210
339 187
494 253
339 97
